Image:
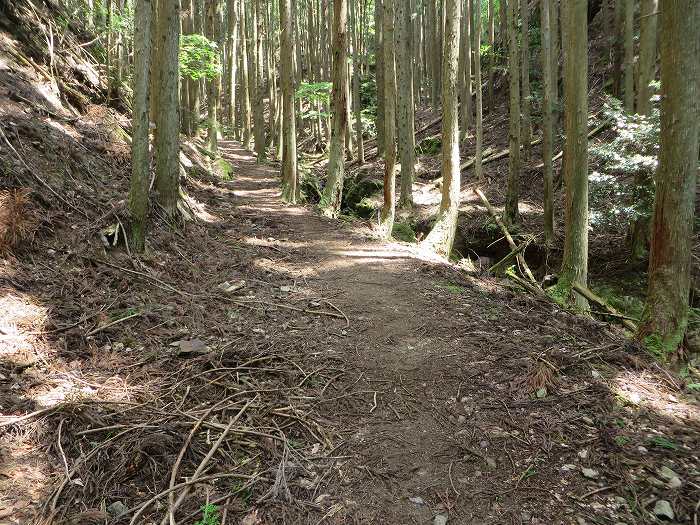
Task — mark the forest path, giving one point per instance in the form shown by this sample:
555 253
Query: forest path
435 403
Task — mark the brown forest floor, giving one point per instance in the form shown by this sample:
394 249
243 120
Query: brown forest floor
372 384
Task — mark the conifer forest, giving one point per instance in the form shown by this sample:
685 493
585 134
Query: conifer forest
327 262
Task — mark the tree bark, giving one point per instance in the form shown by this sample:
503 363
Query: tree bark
441 237
167 120
289 146
333 192
647 54
258 84
356 71
213 84
512 215
379 81
478 168
231 55
465 72
386 218
140 156
246 81
629 55
526 132
665 317
405 108
575 261
547 122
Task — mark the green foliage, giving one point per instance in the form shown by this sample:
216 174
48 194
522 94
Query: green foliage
663 442
312 93
223 168
621 441
452 288
210 515
429 146
656 346
199 57
403 232
615 200
365 208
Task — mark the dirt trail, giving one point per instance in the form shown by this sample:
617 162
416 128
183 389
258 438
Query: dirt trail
436 404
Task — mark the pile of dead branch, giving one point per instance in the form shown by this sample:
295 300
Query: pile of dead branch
225 428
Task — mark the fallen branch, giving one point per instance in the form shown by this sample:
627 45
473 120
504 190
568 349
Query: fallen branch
500 265
506 233
591 296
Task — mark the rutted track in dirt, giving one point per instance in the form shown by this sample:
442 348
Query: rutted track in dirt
436 404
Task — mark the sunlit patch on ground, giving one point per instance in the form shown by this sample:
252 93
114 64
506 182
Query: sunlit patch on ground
648 390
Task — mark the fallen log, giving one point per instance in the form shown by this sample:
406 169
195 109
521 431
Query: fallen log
506 234
591 296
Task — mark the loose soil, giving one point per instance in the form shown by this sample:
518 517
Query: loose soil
371 382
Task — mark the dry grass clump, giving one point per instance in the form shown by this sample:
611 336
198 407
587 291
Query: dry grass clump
17 222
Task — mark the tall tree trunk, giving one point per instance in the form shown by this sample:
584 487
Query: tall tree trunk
434 51
212 83
492 53
246 77
386 219
333 192
109 68
379 69
554 24
167 119
526 131
289 148
356 71
404 107
478 168
618 53
647 54
140 157
441 237
231 56
258 84
512 216
665 316
575 262
194 27
465 73
547 122
629 55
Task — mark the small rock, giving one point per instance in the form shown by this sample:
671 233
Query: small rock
583 454
568 467
656 482
286 289
461 420
191 347
440 519
642 450
228 287
663 510
483 444
675 483
417 500
116 509
491 462
589 473
587 420
667 473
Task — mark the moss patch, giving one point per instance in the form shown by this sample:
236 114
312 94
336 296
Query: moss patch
403 232
223 169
